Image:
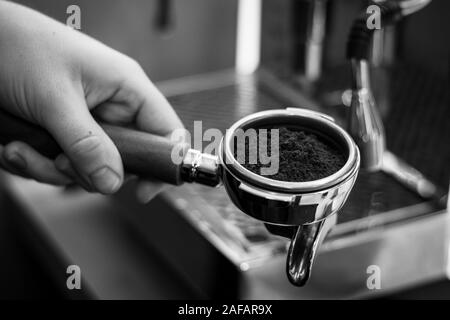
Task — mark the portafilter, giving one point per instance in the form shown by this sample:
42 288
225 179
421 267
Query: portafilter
307 206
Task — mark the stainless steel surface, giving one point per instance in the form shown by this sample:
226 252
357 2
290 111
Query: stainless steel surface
303 248
364 124
412 178
89 230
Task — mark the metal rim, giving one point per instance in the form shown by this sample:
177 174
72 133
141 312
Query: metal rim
231 164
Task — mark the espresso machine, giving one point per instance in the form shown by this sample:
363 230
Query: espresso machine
320 65
395 219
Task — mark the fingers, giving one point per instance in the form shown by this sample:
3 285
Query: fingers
155 115
7 166
64 165
91 152
139 101
21 159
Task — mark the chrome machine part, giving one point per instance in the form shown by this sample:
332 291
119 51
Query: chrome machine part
201 168
303 248
303 204
364 123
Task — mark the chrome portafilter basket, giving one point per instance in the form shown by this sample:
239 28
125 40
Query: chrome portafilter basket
309 206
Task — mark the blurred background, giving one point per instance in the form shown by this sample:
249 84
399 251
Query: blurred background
218 61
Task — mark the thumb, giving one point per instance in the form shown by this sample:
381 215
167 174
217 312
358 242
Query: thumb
91 152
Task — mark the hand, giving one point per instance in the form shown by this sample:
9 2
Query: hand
63 80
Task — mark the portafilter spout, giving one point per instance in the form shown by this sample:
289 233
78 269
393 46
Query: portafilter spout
303 248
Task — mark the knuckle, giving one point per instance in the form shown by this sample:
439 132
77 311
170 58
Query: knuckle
133 63
86 146
62 163
126 63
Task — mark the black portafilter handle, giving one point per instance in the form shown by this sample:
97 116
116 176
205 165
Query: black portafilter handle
143 154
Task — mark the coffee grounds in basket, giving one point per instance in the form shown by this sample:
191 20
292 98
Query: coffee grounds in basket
302 156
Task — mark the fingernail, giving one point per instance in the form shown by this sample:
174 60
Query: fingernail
16 160
105 180
62 163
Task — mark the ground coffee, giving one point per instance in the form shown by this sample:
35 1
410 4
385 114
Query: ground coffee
302 156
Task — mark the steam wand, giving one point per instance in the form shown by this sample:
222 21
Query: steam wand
364 121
